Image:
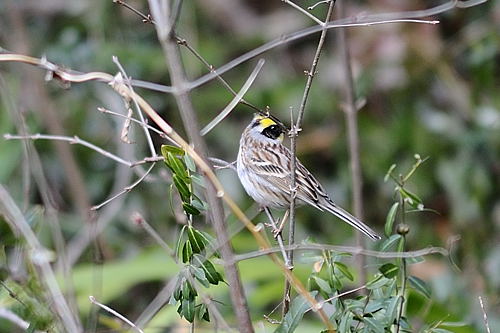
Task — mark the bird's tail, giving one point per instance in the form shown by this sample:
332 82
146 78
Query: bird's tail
348 218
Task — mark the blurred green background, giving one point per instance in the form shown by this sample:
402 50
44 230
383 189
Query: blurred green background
429 89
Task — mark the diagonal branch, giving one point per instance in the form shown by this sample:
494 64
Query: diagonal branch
171 50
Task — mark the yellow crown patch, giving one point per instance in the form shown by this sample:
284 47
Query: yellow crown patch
266 122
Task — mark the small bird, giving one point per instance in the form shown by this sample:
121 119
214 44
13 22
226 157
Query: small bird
264 168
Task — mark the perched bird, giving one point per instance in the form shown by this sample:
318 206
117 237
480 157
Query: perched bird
264 167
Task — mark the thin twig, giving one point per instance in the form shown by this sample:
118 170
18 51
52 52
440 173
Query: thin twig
139 220
224 113
351 118
296 128
485 315
279 238
305 12
348 249
72 140
115 313
338 296
212 69
126 189
137 108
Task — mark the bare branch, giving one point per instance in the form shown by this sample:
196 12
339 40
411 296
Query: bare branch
115 313
125 190
485 315
347 249
71 140
351 113
235 100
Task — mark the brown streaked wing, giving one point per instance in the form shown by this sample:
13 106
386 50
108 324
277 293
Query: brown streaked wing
274 167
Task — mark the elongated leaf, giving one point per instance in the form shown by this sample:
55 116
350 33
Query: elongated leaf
390 243
375 325
392 310
411 198
292 319
420 286
342 268
210 272
182 188
196 240
391 217
171 149
190 209
389 270
322 284
199 275
187 252
377 282
188 292
389 172
177 166
188 310
189 163
179 243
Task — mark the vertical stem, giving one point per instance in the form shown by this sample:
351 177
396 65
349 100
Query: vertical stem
402 230
351 114
293 147
178 79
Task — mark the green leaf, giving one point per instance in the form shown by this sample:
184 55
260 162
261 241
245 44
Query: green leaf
292 319
188 292
345 323
392 310
196 239
420 286
189 163
171 149
322 284
187 252
178 290
391 217
190 209
177 167
377 282
342 268
188 310
390 243
202 312
375 325
389 270
389 172
179 242
198 180
411 198
440 330
210 272
198 204
182 187
199 275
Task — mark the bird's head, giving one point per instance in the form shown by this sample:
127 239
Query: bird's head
267 127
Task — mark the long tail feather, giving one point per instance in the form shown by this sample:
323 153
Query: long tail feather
351 220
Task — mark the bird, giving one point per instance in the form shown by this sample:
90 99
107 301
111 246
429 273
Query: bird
264 168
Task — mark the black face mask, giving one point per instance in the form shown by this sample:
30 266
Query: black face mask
273 131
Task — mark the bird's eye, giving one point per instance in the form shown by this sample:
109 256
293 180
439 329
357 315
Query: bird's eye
272 132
